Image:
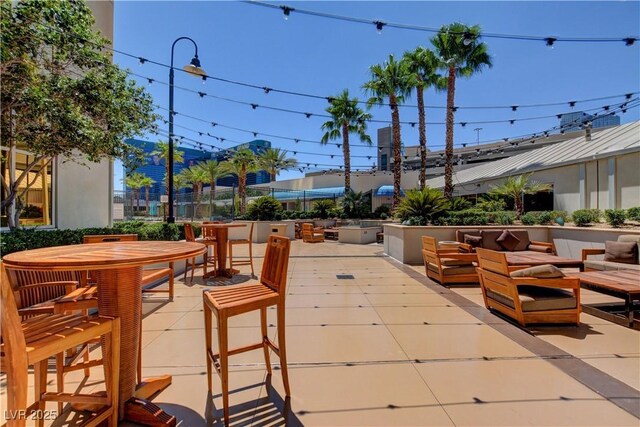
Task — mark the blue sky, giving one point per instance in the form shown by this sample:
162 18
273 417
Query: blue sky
252 44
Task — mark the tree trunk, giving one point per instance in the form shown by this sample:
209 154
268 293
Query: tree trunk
212 193
422 128
146 199
448 152
397 155
273 175
133 199
242 189
346 151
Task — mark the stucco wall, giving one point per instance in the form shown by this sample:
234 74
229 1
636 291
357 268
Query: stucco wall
83 192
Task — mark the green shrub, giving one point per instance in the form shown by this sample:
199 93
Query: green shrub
160 231
460 204
466 217
545 217
615 217
583 217
323 207
264 208
504 218
529 218
489 203
427 204
634 213
382 210
415 220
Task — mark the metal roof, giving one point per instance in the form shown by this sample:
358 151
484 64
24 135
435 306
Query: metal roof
613 141
386 190
314 193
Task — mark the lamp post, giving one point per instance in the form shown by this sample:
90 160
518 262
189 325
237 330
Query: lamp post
194 69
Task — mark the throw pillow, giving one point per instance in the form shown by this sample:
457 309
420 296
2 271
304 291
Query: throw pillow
546 271
508 240
623 252
474 241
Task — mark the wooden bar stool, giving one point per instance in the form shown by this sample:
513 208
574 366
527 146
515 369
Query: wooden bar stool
210 240
247 241
232 301
35 340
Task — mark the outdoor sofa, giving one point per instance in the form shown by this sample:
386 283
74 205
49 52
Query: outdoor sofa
503 240
619 255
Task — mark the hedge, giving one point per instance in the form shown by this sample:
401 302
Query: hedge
32 238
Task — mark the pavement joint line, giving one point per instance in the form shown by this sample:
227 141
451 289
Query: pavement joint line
610 388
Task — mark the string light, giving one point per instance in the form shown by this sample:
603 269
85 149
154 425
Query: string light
467 38
550 41
379 25
286 10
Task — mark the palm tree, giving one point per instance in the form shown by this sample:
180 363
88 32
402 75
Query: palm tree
274 160
423 64
195 176
213 171
462 55
515 187
241 163
347 118
179 182
135 182
393 81
147 182
162 151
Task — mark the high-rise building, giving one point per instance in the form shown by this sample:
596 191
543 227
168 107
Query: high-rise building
260 177
574 121
154 167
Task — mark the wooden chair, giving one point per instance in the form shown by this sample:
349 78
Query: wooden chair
149 275
210 240
248 241
33 341
527 299
231 301
189 236
310 235
55 292
448 265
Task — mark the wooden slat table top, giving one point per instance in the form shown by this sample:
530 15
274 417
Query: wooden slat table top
627 281
105 255
537 258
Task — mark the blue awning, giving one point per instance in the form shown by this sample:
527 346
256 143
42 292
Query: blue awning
387 191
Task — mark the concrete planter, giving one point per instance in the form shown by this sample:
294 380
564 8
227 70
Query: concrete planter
404 243
358 235
261 230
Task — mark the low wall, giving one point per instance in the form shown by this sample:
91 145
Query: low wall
404 243
261 230
358 235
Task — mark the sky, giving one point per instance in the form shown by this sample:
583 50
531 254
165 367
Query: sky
254 45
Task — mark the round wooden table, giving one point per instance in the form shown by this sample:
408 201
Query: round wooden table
119 272
221 233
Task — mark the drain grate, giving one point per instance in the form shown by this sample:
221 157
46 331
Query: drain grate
345 276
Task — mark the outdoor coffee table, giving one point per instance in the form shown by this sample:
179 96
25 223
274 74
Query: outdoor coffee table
331 233
624 284
119 272
221 231
531 258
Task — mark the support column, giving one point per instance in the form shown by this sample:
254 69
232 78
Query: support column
611 181
582 184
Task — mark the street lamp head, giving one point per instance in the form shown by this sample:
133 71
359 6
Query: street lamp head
194 68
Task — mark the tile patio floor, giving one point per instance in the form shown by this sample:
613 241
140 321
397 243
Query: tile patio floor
390 347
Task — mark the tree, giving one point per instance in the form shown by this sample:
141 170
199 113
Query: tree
515 187
162 151
147 182
461 55
391 80
241 163
195 176
274 160
347 118
213 171
423 64
135 181
61 94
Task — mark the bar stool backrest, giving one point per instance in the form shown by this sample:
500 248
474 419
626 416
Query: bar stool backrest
276 264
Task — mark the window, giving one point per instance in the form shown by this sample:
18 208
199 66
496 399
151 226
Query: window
35 190
383 162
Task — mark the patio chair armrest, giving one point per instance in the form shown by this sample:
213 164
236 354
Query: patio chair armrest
459 256
544 246
591 251
69 285
559 283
